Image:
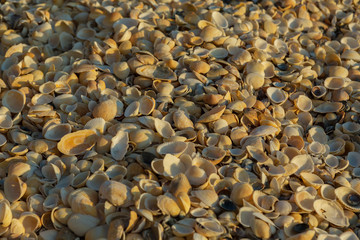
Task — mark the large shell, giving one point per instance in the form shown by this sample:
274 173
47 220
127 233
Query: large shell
14 100
80 223
77 142
349 198
276 95
331 212
156 72
14 188
116 193
173 148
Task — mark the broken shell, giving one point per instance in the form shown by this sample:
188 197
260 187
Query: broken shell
77 142
331 212
318 91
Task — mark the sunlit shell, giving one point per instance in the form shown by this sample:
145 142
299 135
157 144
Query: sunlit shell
116 193
77 142
14 100
181 120
5 121
119 145
57 131
14 188
208 227
147 105
318 91
212 115
311 180
173 148
304 163
266 203
30 222
142 137
168 205
304 200
156 72
351 127
214 154
6 214
328 107
349 198
106 110
255 80
334 83
241 191
276 95
303 103
331 212
80 223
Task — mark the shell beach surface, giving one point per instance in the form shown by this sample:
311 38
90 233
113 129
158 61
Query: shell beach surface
179 120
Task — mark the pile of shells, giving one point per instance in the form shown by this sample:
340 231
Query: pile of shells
175 119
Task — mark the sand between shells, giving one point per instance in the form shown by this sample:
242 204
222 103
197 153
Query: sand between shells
177 119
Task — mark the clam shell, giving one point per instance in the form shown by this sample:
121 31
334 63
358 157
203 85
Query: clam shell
106 110
311 179
5 213
14 100
80 224
318 91
119 145
334 83
77 143
212 115
304 200
304 103
168 205
156 72
209 227
116 193
328 107
14 188
349 198
266 203
276 95
5 121
173 148
214 154
241 191
30 221
331 212
57 131
164 128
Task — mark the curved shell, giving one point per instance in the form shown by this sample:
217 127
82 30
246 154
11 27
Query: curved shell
119 145
304 103
311 179
116 193
331 212
276 95
266 203
81 223
57 131
209 227
14 188
174 148
334 83
349 198
212 115
14 100
77 142
304 200
156 72
214 154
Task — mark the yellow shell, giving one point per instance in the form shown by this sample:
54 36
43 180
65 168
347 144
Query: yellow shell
77 142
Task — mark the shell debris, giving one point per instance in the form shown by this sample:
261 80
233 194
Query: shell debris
217 119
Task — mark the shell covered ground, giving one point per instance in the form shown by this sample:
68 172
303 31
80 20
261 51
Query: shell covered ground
174 119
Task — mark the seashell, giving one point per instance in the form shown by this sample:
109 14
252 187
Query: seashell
96 180
331 212
334 83
168 205
311 179
119 145
179 184
121 70
261 229
212 115
85 33
276 95
284 208
303 103
77 143
354 159
266 203
181 230
318 91
337 146
199 67
57 131
164 128
14 100
96 124
80 224
30 221
147 105
219 20
255 80
351 127
181 120
209 227
241 191
304 200
106 110
6 214
214 154
5 121
208 197
156 72
349 198
173 148
116 193
328 107
210 33
338 71
14 188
